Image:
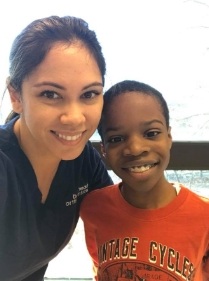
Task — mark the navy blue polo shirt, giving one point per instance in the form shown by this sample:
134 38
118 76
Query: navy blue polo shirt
32 233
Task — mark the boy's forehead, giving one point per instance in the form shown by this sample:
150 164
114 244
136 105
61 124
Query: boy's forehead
131 106
133 99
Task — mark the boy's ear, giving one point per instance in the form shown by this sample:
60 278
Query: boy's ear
102 149
15 98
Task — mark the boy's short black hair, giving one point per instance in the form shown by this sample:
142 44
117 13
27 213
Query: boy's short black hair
128 86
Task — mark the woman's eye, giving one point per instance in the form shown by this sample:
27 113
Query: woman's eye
90 95
115 139
50 95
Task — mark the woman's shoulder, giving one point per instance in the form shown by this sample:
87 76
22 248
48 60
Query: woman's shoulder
7 179
7 169
10 152
7 136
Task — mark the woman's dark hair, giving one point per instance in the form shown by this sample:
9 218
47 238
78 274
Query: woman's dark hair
34 42
127 86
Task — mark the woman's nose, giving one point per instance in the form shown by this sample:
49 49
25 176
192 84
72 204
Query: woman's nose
72 115
136 146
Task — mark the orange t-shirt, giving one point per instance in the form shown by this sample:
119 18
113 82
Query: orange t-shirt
165 244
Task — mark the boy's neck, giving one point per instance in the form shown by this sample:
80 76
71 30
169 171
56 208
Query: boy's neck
150 200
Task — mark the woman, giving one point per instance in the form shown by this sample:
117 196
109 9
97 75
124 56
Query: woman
47 164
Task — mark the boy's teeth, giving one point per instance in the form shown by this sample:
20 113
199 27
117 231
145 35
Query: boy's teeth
140 169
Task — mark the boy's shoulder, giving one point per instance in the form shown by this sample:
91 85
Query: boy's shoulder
96 201
196 195
99 196
198 201
104 191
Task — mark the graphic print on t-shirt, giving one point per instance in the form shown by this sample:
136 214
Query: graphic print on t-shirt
120 260
135 271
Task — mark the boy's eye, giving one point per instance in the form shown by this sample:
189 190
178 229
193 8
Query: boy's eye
115 139
50 95
90 95
152 134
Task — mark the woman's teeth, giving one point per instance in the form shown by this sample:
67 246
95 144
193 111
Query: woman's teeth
68 138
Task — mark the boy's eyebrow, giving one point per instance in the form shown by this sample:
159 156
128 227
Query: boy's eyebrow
153 121
147 123
56 85
111 129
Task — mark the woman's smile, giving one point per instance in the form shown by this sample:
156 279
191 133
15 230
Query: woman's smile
68 137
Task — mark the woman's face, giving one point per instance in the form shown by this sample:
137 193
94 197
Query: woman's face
60 103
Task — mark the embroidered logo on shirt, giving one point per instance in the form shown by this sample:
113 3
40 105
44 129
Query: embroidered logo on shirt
81 190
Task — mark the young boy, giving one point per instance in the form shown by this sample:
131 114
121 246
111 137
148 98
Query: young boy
144 228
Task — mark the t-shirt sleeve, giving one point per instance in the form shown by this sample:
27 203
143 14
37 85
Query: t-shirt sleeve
92 247
206 255
206 266
90 235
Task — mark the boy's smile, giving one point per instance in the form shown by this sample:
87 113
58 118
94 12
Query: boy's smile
138 167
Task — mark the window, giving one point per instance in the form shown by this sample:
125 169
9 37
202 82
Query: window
162 43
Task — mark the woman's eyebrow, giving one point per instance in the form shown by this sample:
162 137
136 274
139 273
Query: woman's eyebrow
49 83
56 85
93 84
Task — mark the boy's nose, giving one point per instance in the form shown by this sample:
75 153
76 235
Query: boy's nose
136 146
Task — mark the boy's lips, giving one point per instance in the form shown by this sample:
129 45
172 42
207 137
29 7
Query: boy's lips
137 167
141 169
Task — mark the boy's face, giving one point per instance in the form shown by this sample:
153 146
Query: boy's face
136 141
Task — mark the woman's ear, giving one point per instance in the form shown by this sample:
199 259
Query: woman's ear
102 149
15 98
